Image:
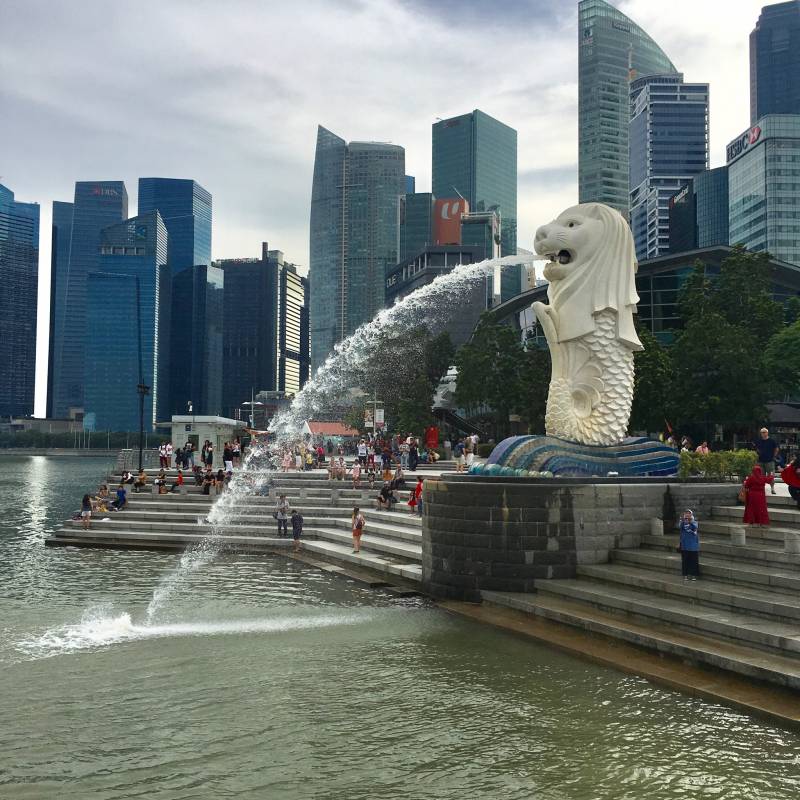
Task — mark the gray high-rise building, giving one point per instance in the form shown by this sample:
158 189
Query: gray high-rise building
775 61
19 279
474 156
97 205
353 243
668 145
612 52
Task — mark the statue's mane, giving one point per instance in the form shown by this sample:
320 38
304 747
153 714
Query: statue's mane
606 280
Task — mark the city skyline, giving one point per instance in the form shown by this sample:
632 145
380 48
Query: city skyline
259 173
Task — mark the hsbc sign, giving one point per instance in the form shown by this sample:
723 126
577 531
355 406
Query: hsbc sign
743 143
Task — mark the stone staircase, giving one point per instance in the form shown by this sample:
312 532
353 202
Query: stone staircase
743 615
391 544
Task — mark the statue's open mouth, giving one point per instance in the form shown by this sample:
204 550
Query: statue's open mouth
563 256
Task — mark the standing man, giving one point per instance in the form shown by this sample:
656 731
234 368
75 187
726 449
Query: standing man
297 529
168 452
767 450
282 514
362 453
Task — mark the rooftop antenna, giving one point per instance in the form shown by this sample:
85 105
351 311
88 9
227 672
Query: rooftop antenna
458 193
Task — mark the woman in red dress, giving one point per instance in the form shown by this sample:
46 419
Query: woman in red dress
755 506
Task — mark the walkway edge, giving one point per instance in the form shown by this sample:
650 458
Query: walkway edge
769 702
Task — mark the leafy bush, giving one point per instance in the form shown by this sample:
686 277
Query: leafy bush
484 449
723 465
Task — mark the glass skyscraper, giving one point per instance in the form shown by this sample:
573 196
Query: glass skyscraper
353 240
196 346
668 145
98 204
128 309
475 157
775 61
185 207
61 232
764 187
698 213
416 223
292 334
19 279
612 51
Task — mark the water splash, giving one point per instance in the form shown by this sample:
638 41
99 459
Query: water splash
330 383
438 300
101 626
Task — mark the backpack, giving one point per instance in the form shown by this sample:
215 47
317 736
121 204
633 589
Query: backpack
359 523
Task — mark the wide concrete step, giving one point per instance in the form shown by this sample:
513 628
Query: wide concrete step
719 654
762 602
780 501
110 536
779 637
384 564
738 572
774 534
370 541
778 514
767 553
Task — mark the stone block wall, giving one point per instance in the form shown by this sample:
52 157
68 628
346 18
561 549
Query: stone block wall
504 534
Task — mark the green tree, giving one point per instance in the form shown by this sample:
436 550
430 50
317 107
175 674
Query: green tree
782 361
720 374
653 385
489 368
534 384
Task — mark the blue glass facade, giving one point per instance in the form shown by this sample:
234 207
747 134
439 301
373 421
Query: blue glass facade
61 231
764 187
128 326
416 223
251 318
711 201
475 157
411 184
196 346
668 145
775 61
185 207
612 50
355 201
19 278
97 205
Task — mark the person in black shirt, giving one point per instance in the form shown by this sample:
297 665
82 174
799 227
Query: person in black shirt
767 449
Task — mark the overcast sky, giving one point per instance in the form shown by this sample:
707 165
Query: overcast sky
230 94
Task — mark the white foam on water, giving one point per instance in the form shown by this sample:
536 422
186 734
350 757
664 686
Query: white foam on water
102 628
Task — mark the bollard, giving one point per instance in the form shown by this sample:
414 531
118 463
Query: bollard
791 542
738 536
656 526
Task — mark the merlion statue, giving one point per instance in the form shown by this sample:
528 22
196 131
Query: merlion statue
589 323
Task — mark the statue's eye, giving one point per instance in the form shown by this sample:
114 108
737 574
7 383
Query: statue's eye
570 224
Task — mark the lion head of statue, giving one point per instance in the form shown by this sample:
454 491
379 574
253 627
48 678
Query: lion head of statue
592 268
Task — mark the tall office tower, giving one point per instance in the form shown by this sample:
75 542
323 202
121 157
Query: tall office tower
668 145
266 336
763 187
292 334
61 231
197 340
612 51
185 207
97 205
353 244
19 279
127 342
416 224
775 61
411 184
698 214
475 157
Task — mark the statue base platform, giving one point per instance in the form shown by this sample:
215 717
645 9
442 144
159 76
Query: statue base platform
525 456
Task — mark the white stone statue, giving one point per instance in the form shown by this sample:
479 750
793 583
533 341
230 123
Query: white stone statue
589 323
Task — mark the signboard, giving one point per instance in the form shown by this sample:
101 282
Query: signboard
369 421
741 144
447 220
379 422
